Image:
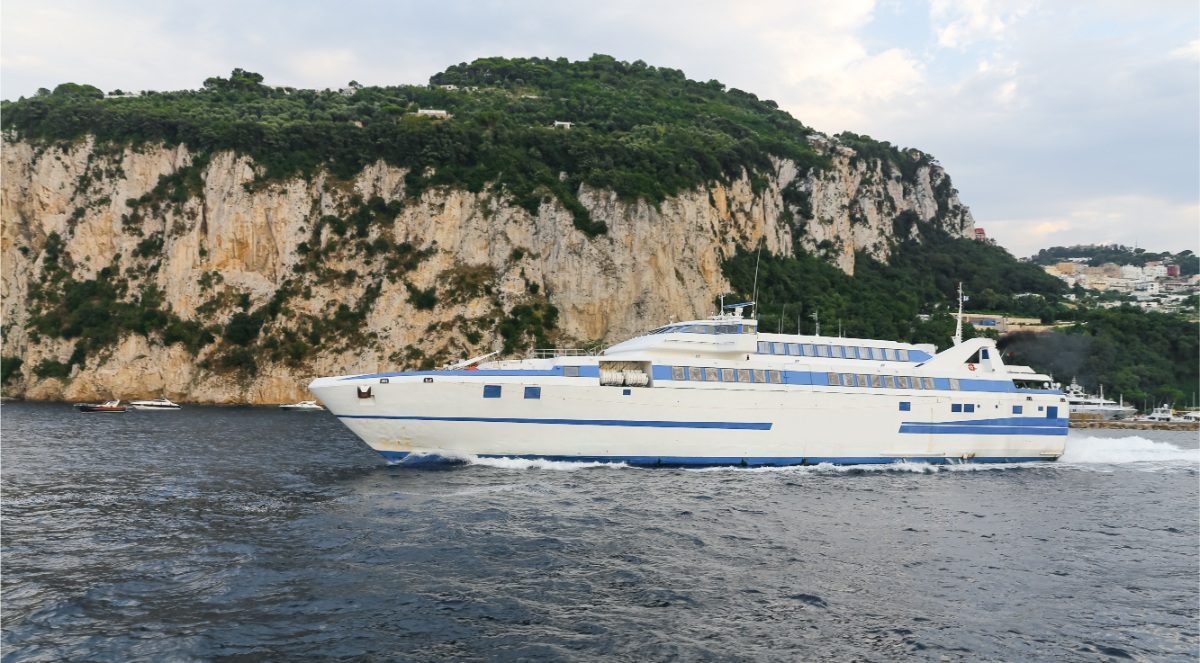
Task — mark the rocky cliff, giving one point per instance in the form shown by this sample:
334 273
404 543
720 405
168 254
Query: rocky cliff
129 272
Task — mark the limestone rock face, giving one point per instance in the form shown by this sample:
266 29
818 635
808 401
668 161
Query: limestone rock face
228 243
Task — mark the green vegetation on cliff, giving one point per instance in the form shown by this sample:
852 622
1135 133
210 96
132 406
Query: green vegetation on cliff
883 300
643 132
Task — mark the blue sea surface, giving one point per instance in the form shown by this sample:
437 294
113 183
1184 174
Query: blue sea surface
245 534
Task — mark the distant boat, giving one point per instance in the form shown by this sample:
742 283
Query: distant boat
1161 414
162 403
1081 402
106 406
303 406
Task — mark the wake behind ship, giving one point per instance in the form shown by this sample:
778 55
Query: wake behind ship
716 392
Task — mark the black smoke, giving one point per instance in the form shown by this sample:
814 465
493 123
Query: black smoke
1061 355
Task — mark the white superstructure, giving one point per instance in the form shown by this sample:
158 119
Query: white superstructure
717 392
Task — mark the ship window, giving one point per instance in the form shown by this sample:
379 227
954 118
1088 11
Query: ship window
570 371
533 392
915 383
877 381
696 374
969 407
954 386
864 381
793 349
983 354
877 353
864 353
929 383
902 355
491 391
744 375
889 382
760 375
678 373
833 379
1016 409
847 380
711 375
1039 408
775 377
823 350
902 382
777 349
888 354
905 406
809 350
764 348
956 407
727 375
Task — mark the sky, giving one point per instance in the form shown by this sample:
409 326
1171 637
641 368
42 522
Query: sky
1059 122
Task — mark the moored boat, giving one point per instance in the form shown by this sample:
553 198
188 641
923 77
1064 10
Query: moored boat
716 392
302 406
1083 403
106 406
161 403
1162 414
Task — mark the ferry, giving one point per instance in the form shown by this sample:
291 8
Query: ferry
716 391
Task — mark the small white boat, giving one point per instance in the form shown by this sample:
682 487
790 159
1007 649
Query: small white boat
303 406
1161 414
162 403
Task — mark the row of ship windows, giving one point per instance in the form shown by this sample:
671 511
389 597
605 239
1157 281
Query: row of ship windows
705 329
699 374
834 351
884 381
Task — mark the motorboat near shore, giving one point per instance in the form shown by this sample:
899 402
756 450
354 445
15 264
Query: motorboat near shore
162 403
716 391
302 406
106 406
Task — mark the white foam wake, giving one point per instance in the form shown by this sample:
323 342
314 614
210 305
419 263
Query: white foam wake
1120 450
542 464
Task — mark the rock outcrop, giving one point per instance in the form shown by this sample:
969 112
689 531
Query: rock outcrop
348 276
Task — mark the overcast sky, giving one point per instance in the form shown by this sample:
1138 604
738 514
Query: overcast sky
1059 122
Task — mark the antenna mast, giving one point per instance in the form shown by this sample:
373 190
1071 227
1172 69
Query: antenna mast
958 326
816 316
754 298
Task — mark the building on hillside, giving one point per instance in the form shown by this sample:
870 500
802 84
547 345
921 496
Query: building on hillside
1172 271
563 125
431 112
1067 267
1132 272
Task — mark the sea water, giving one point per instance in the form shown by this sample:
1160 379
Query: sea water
249 533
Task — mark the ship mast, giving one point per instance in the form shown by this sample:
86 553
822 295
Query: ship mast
958 325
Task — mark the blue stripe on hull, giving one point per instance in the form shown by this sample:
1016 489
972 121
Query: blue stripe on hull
731 425
998 426
754 461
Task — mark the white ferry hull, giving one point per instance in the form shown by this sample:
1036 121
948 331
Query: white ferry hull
446 414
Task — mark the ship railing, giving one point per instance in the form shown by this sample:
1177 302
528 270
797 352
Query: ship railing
550 353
